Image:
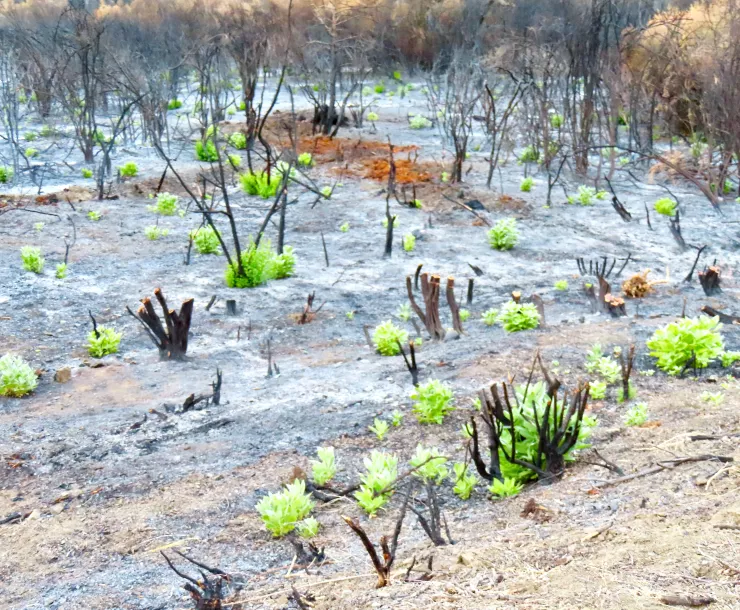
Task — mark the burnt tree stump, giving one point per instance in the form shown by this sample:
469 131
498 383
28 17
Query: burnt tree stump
170 338
709 280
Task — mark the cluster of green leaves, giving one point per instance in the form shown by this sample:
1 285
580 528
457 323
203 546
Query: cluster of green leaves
526 185
386 337
128 170
606 366
715 398
17 378
104 342
409 242
529 155
308 528
464 314
31 153
419 122
432 402
518 316
465 481
379 88
636 415
153 232
561 285
238 140
324 469
205 240
61 271
32 259
506 488
381 473
259 183
729 358
372 117
689 338
166 204
504 234
327 191
430 464
396 418
404 312
94 215
631 393
260 264
282 511
379 428
586 196
306 159
174 104
86 172
556 121
30 136
206 151
6 174
396 222
666 206
489 317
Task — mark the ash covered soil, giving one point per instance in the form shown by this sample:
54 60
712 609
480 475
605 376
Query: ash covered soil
105 475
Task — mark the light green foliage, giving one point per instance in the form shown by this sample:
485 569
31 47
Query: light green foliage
597 390
464 315
258 183
384 222
61 271
32 259
205 240
31 153
379 88
366 91
17 378
556 121
409 242
490 317
206 152
386 337
238 140
648 373
666 206
344 228
677 343
235 161
350 315
396 75
561 285
372 117
526 185
231 111
430 464
379 428
86 173
636 415
419 122
506 488
715 398
30 136
282 511
174 104
586 196
38 226
94 215
519 316
729 358
417 203
306 160
47 131
605 366
327 192
593 356
324 469
260 264
105 342
444 177
464 481
166 204
432 401
129 170
6 174
153 232
381 473
404 312
396 418
504 234
632 392
308 528
529 155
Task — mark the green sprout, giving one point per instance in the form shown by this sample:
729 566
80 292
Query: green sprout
166 204
506 488
464 315
282 511
561 285
689 340
6 174
174 104
529 155
666 206
61 271
238 140
715 398
38 226
308 528
396 418
128 170
526 185
32 259
464 482
344 228
432 402
153 232
429 464
504 234
419 122
324 469
372 117
86 173
379 428
17 378
515 317
597 390
489 317
729 358
556 121
631 393
31 153
404 312
259 265
94 215
350 315
386 338
409 242
306 160
445 177
384 222
586 195
636 415
258 183
205 240
376 484
327 192
103 341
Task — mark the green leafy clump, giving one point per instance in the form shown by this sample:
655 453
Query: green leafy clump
324 469
419 122
519 316
30 136
586 196
409 242
666 206
381 473
86 173
396 418
17 378
31 153
464 315
6 174
605 366
260 264
128 170
308 528
205 240
235 161
282 511
238 140
464 481
174 104
489 317
153 232
715 398
259 183
344 228
631 393
166 204
636 415
94 215
432 402
306 160
444 177
372 117
556 121
404 312
206 151
396 222
430 464
32 259
597 390
561 285
379 428
386 337
529 155
504 234
379 88
526 185
327 191
506 488
729 358
61 271
695 340
103 342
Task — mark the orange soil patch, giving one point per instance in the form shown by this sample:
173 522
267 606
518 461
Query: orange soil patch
407 172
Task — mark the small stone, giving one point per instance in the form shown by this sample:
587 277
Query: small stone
451 335
35 514
63 375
